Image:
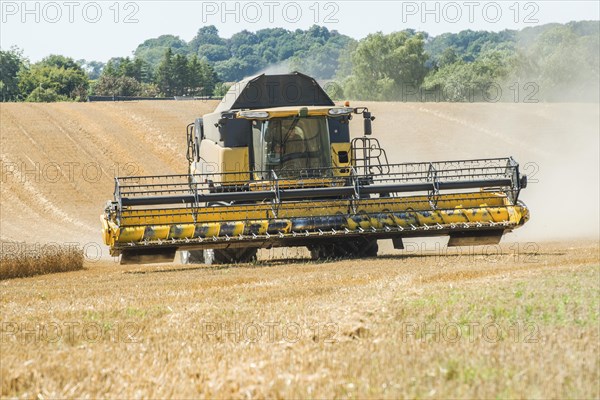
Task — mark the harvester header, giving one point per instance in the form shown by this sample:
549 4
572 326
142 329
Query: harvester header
265 173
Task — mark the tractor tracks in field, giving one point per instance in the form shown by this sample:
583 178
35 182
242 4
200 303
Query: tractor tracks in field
77 144
36 197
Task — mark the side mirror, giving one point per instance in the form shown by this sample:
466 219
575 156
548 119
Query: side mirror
367 123
523 182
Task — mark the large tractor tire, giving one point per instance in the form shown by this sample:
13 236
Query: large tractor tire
348 248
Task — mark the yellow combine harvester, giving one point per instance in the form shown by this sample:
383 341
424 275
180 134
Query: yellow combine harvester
274 166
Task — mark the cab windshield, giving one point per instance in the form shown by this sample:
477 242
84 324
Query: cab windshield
292 147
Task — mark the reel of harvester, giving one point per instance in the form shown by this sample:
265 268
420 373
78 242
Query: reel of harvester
472 201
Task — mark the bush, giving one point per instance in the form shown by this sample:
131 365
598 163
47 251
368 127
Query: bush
41 95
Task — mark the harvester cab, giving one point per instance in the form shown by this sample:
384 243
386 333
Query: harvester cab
274 166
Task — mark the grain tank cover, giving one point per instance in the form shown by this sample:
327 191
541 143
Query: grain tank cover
266 91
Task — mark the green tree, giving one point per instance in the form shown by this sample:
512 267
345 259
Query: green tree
93 69
58 74
178 75
221 89
234 69
164 74
566 65
108 85
45 95
11 62
448 56
243 38
214 52
467 45
384 65
469 81
207 35
334 90
132 68
201 77
315 51
322 60
151 52
111 68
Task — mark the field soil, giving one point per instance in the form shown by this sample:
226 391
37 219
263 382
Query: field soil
519 320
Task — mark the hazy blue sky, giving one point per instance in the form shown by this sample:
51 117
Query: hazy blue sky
102 29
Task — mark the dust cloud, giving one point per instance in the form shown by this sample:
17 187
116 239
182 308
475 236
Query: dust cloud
556 145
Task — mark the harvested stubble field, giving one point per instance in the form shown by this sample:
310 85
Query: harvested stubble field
424 322
524 324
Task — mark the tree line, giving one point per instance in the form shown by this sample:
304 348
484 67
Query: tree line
59 78
553 62
175 75
548 62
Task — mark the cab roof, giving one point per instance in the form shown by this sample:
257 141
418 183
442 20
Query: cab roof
270 91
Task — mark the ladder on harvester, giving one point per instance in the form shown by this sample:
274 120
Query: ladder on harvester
369 157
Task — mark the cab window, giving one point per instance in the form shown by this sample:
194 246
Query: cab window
292 147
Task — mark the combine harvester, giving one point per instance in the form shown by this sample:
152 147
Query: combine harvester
274 166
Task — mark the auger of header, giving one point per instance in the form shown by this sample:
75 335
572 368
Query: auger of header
274 166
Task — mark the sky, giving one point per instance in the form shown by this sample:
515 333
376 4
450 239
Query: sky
99 30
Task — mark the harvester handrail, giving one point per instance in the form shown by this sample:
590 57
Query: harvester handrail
430 177
509 162
291 194
283 178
